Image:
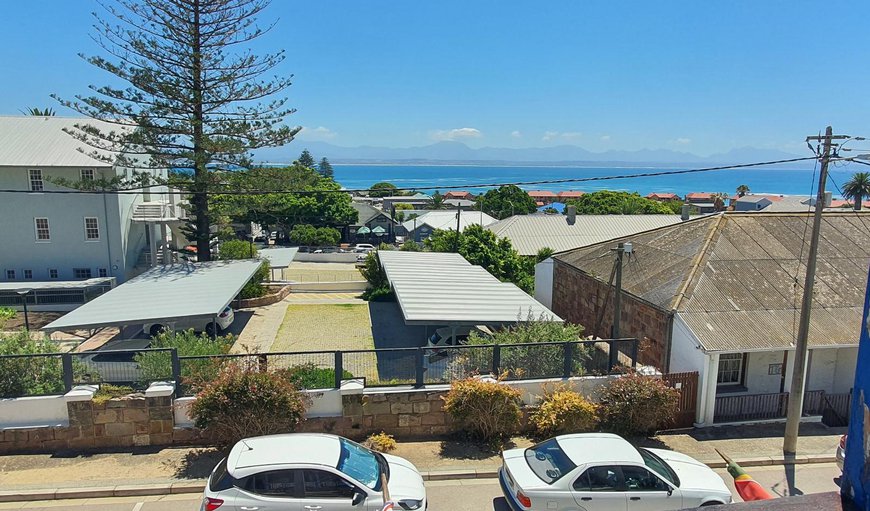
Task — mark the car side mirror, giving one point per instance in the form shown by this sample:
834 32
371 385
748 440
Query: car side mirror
358 498
670 491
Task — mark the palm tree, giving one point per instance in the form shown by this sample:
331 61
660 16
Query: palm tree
742 190
857 188
436 201
39 112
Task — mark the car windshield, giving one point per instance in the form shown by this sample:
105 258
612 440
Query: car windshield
548 461
659 466
360 464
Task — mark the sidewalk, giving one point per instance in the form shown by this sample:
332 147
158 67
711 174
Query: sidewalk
179 470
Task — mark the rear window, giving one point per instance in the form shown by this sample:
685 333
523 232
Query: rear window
548 461
221 479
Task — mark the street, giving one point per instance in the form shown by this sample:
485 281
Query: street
468 494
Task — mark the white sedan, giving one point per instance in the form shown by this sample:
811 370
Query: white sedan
600 471
311 472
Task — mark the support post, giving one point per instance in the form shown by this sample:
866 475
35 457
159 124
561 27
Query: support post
496 360
176 370
798 380
67 365
567 362
418 368
339 369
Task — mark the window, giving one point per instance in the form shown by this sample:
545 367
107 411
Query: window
641 479
10 274
87 174
548 461
598 479
42 231
275 483
52 273
659 466
323 484
36 183
28 274
359 463
101 272
730 369
92 228
81 273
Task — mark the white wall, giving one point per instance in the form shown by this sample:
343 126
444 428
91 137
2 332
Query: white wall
832 369
757 366
324 403
844 377
686 355
588 386
329 287
307 257
544 282
31 412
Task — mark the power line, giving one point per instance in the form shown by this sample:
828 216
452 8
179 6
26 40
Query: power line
137 190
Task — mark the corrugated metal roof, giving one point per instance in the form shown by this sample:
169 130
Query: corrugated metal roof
435 288
447 220
747 282
279 257
164 293
29 141
531 233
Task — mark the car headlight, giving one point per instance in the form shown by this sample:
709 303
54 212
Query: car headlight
411 503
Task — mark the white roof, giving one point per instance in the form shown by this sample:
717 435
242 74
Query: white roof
55 284
165 292
447 220
444 289
585 448
530 233
288 449
31 141
279 257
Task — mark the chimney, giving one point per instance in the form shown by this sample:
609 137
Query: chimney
828 197
571 213
684 213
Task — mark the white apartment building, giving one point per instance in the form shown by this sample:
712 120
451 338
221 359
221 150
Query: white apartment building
61 237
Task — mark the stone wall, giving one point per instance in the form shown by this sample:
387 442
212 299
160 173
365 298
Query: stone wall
578 298
276 294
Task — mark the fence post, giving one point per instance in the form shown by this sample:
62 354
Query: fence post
176 370
262 362
418 366
67 366
634 354
567 362
611 355
496 360
339 369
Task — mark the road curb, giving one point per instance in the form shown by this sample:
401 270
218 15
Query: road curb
197 486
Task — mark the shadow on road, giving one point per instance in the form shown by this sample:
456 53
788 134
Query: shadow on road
500 504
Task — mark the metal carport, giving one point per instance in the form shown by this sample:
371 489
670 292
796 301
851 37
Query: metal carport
171 293
279 258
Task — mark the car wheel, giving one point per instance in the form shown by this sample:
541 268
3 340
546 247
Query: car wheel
155 330
209 329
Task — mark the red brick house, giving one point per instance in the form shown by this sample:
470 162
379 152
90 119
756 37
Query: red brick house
664 196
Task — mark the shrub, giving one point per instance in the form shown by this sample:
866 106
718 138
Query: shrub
6 314
107 392
194 373
309 376
237 249
638 405
563 411
28 376
486 410
241 249
381 442
243 402
378 294
411 246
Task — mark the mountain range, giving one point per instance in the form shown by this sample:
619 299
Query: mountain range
456 152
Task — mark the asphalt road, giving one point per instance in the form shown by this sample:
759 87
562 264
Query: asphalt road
470 494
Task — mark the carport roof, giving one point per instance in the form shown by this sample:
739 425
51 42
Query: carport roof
165 292
441 288
279 257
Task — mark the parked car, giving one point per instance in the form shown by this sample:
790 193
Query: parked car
108 364
223 321
841 451
363 247
599 471
310 471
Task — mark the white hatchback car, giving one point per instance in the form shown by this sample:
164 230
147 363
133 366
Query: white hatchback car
310 471
600 471
223 321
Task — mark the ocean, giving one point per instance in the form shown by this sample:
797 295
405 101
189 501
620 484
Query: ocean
427 178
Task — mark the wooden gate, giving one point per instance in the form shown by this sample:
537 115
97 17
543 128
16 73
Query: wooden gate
687 384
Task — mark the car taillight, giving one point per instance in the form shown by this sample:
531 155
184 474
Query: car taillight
223 315
843 442
210 504
522 499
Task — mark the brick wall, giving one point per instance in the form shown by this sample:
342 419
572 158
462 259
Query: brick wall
578 298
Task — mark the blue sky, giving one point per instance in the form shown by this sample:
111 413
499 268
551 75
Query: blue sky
702 77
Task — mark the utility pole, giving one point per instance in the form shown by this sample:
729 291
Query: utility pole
621 249
798 378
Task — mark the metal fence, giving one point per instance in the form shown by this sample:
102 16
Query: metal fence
775 405
59 372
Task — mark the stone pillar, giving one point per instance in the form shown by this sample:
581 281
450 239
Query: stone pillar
707 410
165 244
152 247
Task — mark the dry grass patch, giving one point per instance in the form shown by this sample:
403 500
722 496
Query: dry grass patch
316 327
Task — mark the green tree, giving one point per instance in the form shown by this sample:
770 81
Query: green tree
742 190
39 112
436 202
857 188
25 376
306 160
242 249
482 247
506 201
195 96
411 246
325 168
326 236
606 202
155 366
383 189
399 209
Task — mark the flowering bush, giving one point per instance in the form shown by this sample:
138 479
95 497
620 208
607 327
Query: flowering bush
380 442
563 411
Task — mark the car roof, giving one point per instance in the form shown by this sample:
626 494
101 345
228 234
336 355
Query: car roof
584 448
287 449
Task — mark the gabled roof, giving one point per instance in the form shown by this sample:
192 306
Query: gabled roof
366 212
530 233
753 199
32 141
570 194
458 194
447 220
541 193
662 195
699 195
735 279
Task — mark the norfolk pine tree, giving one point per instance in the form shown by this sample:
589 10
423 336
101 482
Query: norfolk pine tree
325 168
195 97
306 160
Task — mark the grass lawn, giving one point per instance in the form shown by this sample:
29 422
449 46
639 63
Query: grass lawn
316 327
